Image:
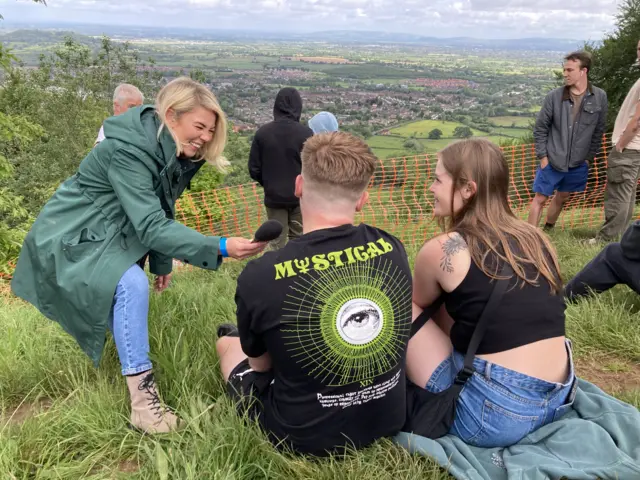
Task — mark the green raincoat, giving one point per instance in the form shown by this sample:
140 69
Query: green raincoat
118 207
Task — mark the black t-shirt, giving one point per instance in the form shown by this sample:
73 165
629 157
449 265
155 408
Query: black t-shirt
333 309
525 314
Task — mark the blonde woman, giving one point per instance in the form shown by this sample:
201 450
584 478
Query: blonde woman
79 264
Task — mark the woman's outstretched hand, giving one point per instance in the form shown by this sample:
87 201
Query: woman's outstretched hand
239 248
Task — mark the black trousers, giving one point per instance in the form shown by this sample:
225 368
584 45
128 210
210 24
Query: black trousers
608 269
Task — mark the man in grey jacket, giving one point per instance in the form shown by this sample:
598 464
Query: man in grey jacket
568 134
617 263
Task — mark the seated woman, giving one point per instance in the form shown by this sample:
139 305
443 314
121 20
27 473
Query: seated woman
523 366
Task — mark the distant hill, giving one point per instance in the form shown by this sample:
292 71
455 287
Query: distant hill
58 31
555 44
34 36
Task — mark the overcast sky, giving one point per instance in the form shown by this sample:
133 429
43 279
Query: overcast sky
576 19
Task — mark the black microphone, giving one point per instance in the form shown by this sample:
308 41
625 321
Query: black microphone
269 230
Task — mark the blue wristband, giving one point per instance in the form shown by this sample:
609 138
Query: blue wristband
222 245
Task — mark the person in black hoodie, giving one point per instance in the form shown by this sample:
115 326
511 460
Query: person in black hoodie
617 263
274 162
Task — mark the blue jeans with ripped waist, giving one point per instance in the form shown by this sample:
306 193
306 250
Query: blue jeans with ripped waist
128 321
498 407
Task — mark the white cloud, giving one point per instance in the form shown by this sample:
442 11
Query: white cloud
579 19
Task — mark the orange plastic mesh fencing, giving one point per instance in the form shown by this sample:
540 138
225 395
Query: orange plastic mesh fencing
399 198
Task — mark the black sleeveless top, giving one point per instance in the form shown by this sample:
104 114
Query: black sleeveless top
525 315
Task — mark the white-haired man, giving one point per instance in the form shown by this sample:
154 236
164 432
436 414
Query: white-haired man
125 96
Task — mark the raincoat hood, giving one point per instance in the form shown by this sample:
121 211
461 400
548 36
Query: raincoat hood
138 127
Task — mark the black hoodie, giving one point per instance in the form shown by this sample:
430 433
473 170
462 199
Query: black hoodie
630 242
274 161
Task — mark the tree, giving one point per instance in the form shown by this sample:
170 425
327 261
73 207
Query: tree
198 75
16 133
413 145
435 134
68 95
613 67
462 132
237 152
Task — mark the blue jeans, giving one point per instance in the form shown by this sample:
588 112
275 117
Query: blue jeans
128 321
498 407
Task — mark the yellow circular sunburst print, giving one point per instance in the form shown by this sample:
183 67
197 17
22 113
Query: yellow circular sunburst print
350 323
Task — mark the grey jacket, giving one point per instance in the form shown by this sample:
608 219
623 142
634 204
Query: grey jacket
565 145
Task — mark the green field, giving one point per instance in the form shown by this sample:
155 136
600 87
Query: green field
383 146
511 132
393 145
509 121
435 145
422 128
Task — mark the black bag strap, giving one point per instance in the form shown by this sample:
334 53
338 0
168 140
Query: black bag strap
424 317
499 287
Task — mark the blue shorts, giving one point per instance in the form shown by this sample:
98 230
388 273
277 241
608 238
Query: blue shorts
498 407
548 180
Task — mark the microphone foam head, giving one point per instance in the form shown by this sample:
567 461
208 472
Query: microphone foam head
269 230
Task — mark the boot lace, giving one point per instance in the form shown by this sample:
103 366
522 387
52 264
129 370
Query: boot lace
148 386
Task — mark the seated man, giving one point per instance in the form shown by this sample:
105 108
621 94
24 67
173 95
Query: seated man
324 322
618 262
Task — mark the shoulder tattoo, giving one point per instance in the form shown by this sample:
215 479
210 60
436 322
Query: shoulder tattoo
450 247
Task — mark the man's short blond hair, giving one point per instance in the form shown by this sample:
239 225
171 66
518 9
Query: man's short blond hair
338 163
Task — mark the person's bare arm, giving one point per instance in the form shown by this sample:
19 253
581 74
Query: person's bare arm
426 288
630 131
261 363
441 264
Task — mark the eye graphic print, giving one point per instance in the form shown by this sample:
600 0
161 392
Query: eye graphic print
359 321
348 324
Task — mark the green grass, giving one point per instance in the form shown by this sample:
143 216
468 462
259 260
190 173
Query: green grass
432 146
509 121
422 128
511 132
84 434
383 145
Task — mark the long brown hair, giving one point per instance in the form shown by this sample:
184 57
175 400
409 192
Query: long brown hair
486 221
